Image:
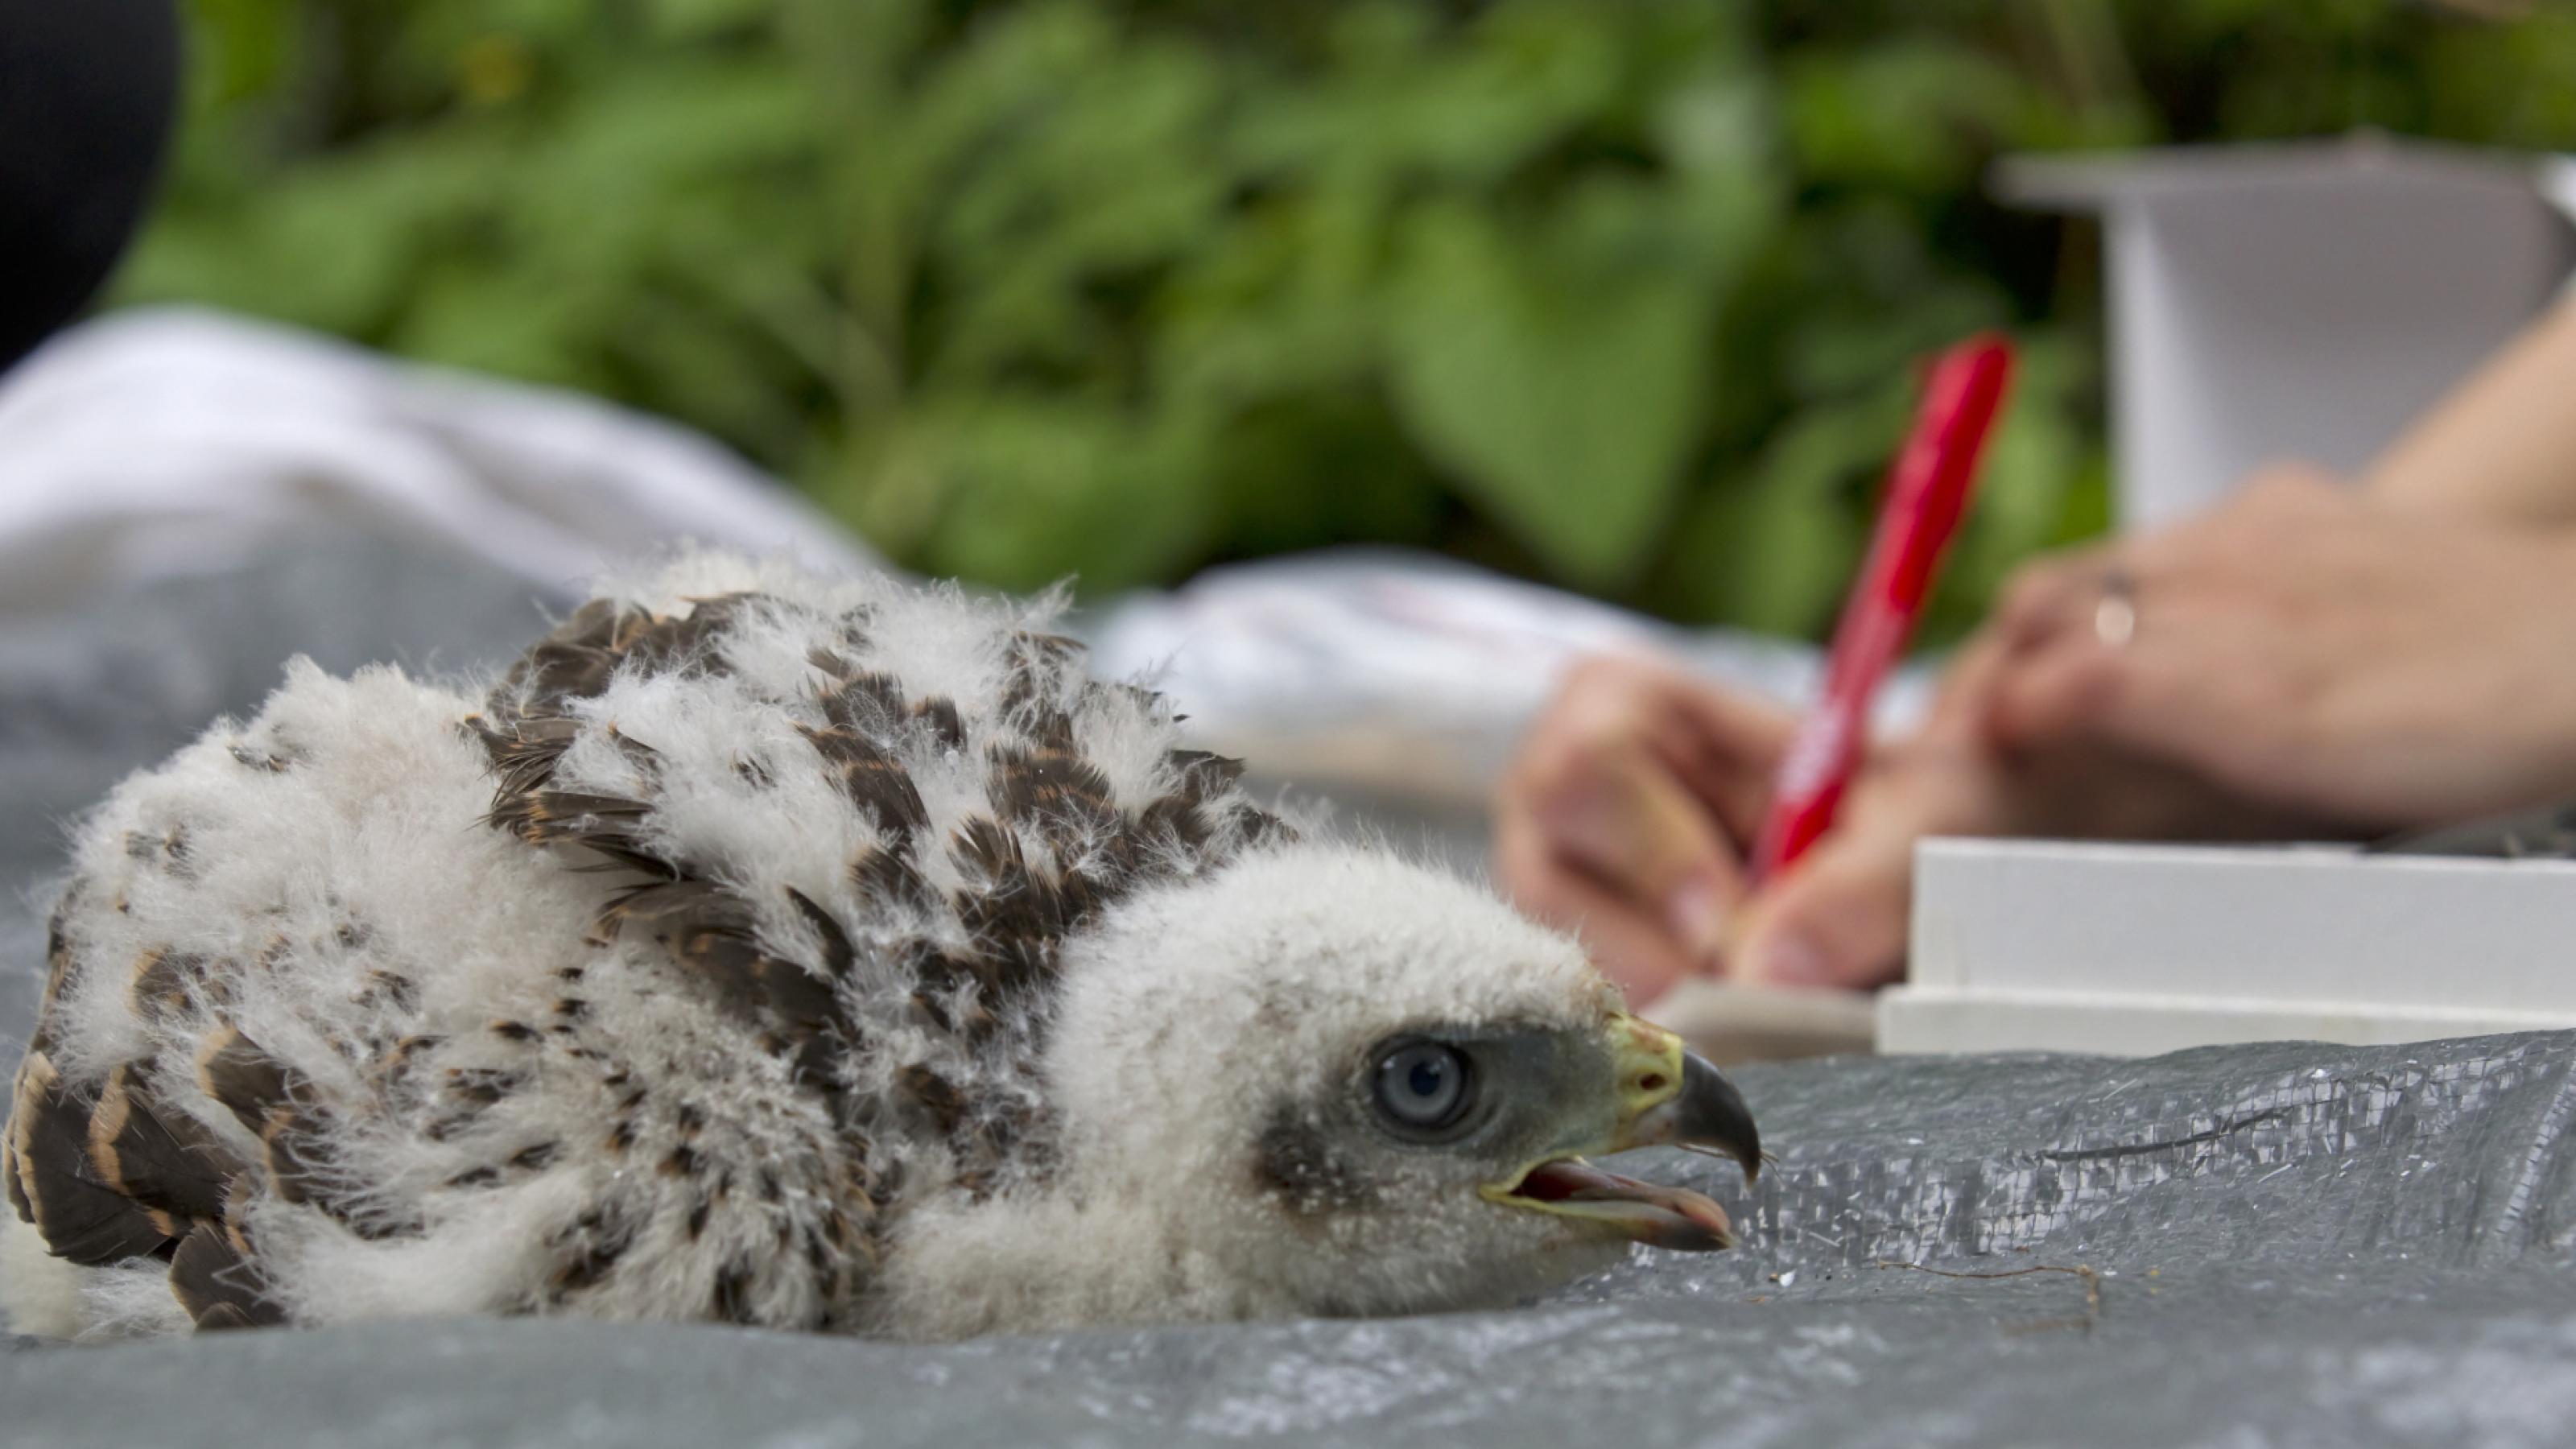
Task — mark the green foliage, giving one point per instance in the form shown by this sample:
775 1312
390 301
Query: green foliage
1618 293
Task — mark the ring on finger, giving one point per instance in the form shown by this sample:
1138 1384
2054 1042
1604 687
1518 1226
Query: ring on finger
2115 613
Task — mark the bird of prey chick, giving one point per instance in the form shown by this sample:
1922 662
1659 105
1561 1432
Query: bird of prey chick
814 953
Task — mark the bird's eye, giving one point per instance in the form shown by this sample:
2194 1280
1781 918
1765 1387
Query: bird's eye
1425 1086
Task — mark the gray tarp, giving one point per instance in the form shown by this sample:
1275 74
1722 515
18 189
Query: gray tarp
2283 1244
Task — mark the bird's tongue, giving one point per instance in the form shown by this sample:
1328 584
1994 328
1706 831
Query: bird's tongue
1666 1217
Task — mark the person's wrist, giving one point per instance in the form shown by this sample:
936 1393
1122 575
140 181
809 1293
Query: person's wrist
2546 708
2559 537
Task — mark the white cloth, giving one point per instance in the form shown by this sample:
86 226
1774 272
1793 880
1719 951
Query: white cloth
169 441
1409 674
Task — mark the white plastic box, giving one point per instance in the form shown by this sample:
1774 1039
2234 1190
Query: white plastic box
2301 300
2136 949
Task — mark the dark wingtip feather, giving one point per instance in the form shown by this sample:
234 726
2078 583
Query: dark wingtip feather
81 1217
218 1281
153 1154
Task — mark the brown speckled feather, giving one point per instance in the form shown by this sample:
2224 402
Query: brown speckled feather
1014 906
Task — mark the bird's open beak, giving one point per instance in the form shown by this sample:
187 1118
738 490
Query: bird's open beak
1667 1096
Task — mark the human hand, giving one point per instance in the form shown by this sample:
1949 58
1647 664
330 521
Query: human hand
2298 664
1621 814
1628 809
2305 649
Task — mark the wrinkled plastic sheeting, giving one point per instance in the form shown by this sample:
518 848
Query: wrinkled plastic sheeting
2286 1244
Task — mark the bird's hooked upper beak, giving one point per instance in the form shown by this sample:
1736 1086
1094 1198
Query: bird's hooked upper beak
1668 1096
1700 1109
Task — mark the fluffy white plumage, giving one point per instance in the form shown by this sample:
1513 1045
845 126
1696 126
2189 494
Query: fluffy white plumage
829 954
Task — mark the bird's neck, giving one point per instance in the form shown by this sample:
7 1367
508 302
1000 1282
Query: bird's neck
1048 1261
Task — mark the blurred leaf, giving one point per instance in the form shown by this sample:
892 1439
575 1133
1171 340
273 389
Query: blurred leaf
1405 102
1562 399
1018 492
243 46
467 316
1775 549
693 19
336 244
1104 181
1915 113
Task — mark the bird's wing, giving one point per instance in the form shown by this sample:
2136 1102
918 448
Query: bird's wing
989 797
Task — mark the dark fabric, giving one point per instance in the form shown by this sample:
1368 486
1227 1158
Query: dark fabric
88 89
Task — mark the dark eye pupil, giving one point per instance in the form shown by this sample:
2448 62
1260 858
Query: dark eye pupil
1428 1078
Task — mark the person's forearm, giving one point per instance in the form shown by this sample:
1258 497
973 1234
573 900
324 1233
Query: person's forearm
2502 444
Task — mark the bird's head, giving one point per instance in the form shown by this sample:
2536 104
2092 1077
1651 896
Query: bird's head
1323 1080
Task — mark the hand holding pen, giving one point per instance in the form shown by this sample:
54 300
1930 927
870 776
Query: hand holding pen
1627 809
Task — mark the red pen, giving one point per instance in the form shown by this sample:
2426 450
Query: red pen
1927 490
